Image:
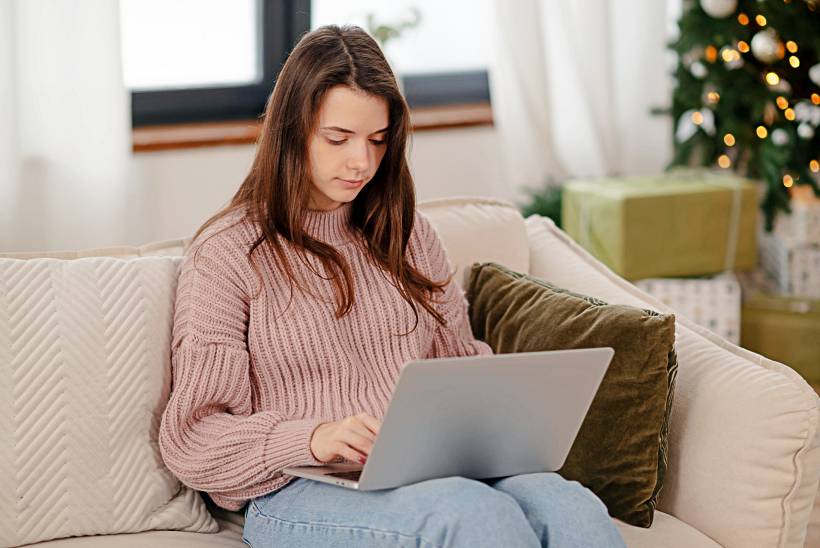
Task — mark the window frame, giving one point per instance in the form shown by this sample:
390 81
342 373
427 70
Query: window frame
283 22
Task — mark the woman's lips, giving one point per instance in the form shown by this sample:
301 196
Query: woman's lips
352 184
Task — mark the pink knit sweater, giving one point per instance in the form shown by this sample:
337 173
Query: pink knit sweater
252 378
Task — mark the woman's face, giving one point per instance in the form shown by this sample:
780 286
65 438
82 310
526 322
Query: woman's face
347 147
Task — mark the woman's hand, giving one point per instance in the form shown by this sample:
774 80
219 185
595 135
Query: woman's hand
351 438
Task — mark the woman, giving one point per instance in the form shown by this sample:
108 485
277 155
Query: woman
297 306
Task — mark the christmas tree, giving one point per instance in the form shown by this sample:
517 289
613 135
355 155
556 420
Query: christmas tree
747 93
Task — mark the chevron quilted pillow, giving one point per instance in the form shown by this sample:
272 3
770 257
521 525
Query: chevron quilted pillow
86 374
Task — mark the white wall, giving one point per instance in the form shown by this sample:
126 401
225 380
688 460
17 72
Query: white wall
174 192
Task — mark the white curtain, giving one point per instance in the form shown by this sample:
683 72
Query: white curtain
573 84
64 126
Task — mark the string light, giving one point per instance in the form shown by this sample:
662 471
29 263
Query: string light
729 139
760 20
815 98
711 53
743 19
743 46
772 78
782 103
794 61
814 166
762 132
788 181
697 117
789 114
730 55
791 45
713 97
724 161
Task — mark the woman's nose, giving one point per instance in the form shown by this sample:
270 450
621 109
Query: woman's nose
359 159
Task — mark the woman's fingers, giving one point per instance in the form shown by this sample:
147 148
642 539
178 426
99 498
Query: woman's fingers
358 439
350 453
373 424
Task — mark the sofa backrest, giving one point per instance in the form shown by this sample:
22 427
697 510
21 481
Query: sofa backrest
471 229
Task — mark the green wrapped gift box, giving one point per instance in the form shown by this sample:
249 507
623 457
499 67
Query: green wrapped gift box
681 223
781 327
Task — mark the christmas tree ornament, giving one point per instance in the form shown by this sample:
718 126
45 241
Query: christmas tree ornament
805 131
806 112
710 95
707 123
731 57
767 47
698 70
718 8
769 113
780 137
814 74
782 86
686 127
691 56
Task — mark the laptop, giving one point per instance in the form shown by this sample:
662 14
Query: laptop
478 417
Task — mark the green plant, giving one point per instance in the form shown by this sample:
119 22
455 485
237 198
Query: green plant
545 201
384 32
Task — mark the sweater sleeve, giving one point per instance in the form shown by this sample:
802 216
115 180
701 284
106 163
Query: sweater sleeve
456 338
210 437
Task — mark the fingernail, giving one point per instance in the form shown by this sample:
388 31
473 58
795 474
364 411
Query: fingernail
362 459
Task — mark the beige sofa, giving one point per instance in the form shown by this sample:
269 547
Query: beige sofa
745 447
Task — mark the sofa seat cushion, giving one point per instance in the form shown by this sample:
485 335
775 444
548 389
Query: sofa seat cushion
666 531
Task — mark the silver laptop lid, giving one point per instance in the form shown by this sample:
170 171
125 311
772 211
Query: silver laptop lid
484 416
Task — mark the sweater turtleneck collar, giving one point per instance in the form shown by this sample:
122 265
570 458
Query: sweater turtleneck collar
330 226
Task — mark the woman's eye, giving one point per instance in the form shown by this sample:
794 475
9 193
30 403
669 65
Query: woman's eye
377 142
332 142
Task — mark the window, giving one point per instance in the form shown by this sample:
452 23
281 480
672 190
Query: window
443 59
205 60
197 60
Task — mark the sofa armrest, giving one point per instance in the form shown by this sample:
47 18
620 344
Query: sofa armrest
744 455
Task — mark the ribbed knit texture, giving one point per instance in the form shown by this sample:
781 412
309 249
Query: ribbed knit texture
253 377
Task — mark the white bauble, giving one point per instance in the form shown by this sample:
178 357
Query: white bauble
766 46
698 70
805 131
708 124
782 86
806 112
814 74
780 137
686 127
718 8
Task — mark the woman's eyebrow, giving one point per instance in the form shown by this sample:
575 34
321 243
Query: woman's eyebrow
343 130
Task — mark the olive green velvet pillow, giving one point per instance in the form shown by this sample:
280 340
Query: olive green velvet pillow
620 452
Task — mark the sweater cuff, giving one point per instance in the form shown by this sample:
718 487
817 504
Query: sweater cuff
288 444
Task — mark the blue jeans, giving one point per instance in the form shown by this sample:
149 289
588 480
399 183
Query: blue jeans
522 511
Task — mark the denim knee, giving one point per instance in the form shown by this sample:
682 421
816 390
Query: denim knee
475 514
562 512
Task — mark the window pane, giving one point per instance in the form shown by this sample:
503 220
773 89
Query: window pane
170 44
452 35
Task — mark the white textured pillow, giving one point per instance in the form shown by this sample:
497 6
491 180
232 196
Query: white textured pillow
86 374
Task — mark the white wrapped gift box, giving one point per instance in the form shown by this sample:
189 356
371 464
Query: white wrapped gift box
794 266
713 303
805 217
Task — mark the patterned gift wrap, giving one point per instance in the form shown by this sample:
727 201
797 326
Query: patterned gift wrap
713 303
805 217
794 267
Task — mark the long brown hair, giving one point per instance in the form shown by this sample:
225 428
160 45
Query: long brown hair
276 191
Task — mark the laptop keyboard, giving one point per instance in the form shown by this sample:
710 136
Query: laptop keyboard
354 475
